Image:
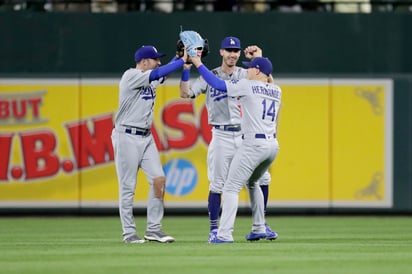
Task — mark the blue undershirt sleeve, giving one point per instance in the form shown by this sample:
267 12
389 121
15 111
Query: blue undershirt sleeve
163 71
185 75
212 79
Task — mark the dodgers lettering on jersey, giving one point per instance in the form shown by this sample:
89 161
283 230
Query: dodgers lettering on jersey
148 93
222 109
217 95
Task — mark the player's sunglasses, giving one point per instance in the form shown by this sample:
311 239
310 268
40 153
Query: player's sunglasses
233 50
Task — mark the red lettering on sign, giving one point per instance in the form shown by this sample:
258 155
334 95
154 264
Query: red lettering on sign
35 103
40 159
5 148
92 148
90 139
4 109
205 128
170 117
19 108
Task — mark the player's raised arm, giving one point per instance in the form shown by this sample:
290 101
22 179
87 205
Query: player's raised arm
165 70
209 77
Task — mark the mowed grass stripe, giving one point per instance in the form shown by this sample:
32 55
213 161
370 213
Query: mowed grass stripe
306 245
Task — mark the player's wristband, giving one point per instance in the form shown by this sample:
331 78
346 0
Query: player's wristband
185 75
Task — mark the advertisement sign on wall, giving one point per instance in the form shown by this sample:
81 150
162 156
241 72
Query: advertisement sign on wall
335 140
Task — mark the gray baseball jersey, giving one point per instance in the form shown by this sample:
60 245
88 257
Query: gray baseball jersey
136 99
261 104
222 109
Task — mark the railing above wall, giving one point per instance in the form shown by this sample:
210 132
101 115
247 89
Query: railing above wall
168 6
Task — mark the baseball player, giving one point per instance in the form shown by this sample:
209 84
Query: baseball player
260 107
134 146
225 116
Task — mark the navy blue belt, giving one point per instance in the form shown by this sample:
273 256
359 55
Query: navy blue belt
262 136
138 131
228 127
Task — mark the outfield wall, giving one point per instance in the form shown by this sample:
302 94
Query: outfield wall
336 138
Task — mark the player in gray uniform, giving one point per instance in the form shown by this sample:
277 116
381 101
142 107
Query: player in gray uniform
260 107
225 117
134 146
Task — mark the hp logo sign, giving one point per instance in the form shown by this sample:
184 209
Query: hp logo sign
181 177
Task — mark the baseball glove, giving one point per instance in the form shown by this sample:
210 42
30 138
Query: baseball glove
192 41
180 48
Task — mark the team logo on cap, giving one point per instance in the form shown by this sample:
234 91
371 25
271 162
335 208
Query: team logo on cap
232 42
155 49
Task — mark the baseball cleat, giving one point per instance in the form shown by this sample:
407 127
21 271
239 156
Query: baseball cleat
158 236
270 234
133 240
219 241
212 235
255 236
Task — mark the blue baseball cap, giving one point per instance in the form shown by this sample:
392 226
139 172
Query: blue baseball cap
147 52
261 63
230 43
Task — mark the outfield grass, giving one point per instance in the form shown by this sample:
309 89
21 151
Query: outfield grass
305 245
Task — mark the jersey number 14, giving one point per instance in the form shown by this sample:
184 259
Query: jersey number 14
268 109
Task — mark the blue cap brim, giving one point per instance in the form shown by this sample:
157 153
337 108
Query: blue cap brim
246 64
160 55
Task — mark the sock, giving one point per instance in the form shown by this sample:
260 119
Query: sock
265 191
214 209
